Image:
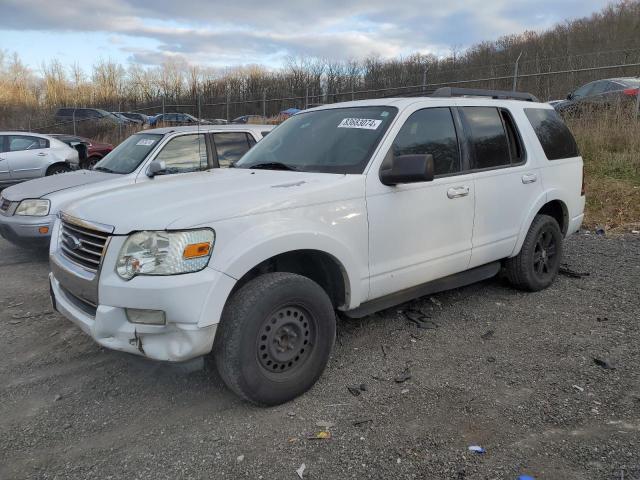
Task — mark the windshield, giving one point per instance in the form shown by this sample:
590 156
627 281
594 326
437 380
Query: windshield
127 156
337 140
632 82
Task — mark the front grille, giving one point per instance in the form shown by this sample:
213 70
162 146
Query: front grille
83 246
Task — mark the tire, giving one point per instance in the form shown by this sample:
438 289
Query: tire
275 338
57 169
537 264
90 163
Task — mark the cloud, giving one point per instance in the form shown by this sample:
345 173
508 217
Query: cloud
217 33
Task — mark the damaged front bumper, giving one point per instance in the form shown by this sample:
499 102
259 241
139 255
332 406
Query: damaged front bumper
110 327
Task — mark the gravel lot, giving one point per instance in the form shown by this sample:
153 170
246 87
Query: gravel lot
509 371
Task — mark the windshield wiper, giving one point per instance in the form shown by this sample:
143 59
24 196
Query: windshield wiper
274 166
103 169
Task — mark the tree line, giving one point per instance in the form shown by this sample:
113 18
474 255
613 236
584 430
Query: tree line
608 37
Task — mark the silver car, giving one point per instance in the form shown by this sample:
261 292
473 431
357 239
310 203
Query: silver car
28 210
25 155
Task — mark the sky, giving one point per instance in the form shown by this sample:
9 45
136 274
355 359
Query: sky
219 34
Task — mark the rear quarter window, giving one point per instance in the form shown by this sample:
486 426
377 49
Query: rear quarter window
554 136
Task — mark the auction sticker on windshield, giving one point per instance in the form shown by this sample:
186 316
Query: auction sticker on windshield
146 142
366 123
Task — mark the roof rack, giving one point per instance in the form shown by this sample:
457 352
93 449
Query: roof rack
478 92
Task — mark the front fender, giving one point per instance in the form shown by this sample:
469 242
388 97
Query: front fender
254 245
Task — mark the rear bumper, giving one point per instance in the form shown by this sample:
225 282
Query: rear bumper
576 222
24 231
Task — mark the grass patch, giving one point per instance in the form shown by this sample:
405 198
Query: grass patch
610 146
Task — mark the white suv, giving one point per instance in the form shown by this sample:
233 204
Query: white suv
352 207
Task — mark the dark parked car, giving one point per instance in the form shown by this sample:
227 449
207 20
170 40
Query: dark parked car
600 94
90 151
126 119
171 119
135 116
249 119
89 114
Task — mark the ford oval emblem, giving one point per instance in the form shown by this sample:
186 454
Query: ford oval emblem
75 243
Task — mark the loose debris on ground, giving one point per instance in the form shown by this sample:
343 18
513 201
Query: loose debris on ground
546 383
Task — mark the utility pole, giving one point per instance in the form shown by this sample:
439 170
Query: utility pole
424 79
515 73
228 119
264 103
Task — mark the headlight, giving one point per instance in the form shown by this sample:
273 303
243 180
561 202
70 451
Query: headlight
33 208
165 253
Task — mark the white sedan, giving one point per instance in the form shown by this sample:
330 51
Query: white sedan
26 155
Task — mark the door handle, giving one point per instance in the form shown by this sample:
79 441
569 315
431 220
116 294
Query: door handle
457 192
529 178
41 154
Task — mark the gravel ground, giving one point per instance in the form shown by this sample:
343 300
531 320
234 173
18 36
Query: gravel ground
512 372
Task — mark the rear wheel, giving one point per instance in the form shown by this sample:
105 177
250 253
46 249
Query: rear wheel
537 264
275 338
57 169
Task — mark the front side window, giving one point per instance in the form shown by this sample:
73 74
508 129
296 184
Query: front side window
18 143
127 156
186 153
554 136
230 147
489 143
334 140
430 131
583 91
599 88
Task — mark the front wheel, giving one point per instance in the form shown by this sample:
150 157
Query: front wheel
57 169
275 338
538 263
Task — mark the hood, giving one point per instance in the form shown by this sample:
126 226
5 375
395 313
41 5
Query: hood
40 187
189 200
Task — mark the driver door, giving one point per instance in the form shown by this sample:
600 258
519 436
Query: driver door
420 232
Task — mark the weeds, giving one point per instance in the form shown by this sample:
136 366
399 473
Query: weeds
609 142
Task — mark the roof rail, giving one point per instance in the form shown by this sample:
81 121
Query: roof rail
478 92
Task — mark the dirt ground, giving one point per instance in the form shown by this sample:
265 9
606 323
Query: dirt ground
509 371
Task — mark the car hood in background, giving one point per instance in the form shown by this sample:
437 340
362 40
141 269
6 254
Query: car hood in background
192 199
40 187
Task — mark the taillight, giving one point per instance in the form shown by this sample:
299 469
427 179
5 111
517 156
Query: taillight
631 92
583 189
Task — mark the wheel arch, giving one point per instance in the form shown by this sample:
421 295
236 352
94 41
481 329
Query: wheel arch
549 203
317 265
55 164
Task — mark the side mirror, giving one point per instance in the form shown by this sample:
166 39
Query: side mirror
570 96
156 167
408 169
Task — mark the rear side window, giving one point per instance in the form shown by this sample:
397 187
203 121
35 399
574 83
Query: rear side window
430 131
554 136
489 142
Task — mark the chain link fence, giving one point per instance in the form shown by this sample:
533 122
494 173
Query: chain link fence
547 78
